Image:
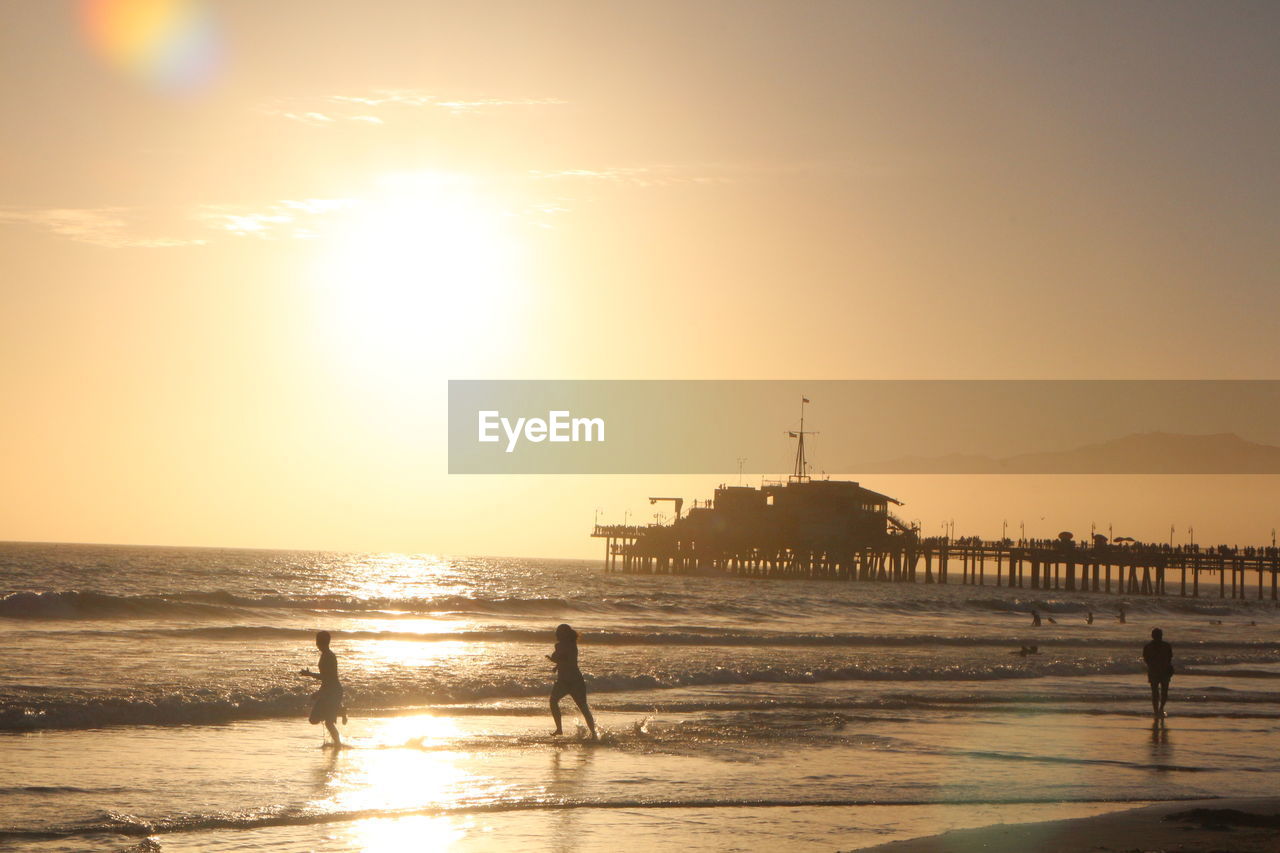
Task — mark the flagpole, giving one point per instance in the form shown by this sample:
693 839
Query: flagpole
798 475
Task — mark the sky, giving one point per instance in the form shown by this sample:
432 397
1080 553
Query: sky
244 245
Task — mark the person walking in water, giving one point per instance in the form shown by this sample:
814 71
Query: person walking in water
328 706
1035 618
1158 655
569 680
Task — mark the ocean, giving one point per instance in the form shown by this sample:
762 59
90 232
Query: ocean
150 700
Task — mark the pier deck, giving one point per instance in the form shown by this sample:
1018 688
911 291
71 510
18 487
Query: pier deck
1028 564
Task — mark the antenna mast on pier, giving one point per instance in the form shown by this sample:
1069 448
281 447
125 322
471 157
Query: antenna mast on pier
800 474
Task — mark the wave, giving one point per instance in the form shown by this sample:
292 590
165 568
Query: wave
1104 605
95 605
1231 673
129 825
72 604
682 636
903 685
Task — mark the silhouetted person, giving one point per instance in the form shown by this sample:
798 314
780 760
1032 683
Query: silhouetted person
1035 618
1088 620
569 680
328 705
1121 616
1158 656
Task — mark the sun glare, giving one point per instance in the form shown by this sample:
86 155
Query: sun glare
425 266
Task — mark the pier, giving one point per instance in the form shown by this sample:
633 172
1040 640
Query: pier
839 530
1056 564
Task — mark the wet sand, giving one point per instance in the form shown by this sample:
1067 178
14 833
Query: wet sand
1199 826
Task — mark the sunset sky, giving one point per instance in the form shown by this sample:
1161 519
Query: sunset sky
245 244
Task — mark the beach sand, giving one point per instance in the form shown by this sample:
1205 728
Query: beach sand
1199 826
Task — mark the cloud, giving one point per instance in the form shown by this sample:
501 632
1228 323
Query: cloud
334 109
546 193
110 227
310 118
286 218
130 227
413 98
401 98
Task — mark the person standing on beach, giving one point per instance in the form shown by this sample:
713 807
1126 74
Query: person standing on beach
328 706
1158 655
569 680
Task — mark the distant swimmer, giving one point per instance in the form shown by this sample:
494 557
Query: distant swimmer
328 706
1027 650
1158 656
1035 618
1088 620
569 680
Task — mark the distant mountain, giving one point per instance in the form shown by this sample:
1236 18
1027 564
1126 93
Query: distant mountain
1141 453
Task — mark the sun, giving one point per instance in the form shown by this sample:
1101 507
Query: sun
423 268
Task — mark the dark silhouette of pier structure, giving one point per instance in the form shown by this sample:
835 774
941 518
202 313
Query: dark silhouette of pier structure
838 530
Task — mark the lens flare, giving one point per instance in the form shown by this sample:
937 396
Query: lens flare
172 46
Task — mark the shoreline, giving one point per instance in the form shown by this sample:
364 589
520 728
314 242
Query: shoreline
1242 825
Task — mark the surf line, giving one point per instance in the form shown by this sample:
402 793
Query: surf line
558 426
214 822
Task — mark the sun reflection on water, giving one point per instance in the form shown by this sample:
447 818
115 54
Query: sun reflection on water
381 655
393 835
399 576
413 623
406 765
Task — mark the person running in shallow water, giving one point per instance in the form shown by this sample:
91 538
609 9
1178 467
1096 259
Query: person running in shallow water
1035 618
1158 656
569 680
328 706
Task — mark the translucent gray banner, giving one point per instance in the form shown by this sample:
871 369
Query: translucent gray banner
865 426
